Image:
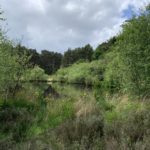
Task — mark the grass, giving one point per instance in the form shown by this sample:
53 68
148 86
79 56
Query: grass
58 112
76 120
28 119
125 125
16 118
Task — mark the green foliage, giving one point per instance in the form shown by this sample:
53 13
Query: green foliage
103 48
127 126
72 56
15 119
134 49
58 112
87 73
12 66
113 75
34 74
20 119
10 69
82 132
128 62
50 61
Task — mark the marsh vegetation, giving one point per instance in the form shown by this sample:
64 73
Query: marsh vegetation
99 102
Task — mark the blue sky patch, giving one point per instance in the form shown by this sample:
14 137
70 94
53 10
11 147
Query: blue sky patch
128 13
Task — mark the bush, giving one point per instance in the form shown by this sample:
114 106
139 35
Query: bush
129 68
86 73
83 133
35 73
15 122
127 127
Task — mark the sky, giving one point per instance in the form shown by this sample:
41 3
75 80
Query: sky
57 25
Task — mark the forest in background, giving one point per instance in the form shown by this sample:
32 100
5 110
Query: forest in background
51 61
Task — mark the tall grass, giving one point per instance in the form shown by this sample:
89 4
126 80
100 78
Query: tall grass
76 122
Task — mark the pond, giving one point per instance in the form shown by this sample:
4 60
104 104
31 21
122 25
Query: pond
33 91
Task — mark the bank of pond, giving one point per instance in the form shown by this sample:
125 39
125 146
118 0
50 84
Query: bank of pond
64 116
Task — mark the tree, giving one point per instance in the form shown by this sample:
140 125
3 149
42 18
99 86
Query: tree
50 61
103 48
88 52
132 51
34 57
35 74
72 56
12 66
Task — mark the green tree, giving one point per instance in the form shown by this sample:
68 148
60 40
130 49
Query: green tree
12 66
131 62
74 55
103 48
50 61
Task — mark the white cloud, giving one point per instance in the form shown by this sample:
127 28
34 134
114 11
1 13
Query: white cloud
59 24
36 5
71 6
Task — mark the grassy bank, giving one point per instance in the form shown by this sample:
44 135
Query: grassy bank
75 120
80 123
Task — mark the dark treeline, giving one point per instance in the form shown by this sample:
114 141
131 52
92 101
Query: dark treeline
77 54
51 61
104 47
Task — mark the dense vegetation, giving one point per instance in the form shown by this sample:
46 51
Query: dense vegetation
51 61
113 116
88 73
78 54
123 63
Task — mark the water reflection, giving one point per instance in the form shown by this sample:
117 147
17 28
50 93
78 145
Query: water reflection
71 90
50 91
33 91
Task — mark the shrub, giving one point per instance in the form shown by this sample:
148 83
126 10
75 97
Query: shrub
86 73
15 122
127 128
82 132
35 73
129 68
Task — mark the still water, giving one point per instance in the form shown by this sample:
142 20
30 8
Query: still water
55 91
